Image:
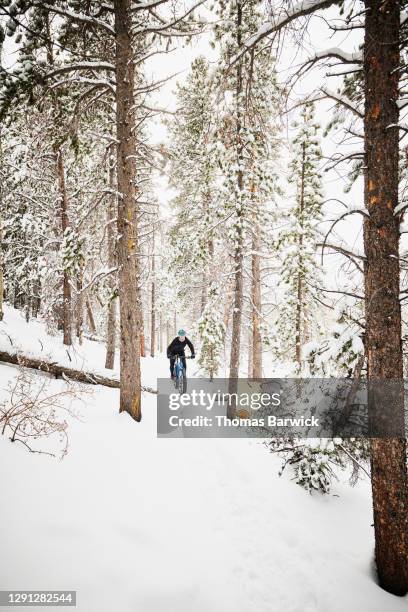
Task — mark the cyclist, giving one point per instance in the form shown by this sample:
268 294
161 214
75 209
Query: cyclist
176 347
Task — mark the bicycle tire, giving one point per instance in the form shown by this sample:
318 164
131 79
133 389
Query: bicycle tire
182 382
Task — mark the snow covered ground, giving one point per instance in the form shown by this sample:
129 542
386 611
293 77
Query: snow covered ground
135 523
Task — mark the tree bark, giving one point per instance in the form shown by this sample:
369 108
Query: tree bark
299 280
207 271
91 320
238 252
203 292
229 298
382 283
80 306
142 333
1 245
66 287
160 333
1 270
256 307
250 350
36 298
153 306
111 239
128 247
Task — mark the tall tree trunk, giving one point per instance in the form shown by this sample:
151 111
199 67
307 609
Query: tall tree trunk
382 283
142 331
142 337
1 244
228 301
250 350
153 306
207 272
237 312
91 320
299 280
256 307
128 247
203 292
36 297
27 307
80 305
1 269
66 287
111 239
229 298
160 332
238 252
111 335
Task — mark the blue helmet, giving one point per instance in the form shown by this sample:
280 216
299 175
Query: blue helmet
181 332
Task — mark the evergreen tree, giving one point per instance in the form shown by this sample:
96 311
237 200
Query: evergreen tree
300 273
246 134
211 334
193 174
342 350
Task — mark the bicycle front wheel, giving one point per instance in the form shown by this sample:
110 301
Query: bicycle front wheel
182 382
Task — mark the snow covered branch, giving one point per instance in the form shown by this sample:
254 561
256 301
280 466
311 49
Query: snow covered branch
346 58
96 278
170 24
94 82
350 211
350 294
148 5
343 101
402 103
323 95
81 66
336 160
342 250
347 28
402 206
349 254
80 17
301 9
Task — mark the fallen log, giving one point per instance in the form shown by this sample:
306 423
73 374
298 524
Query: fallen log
60 371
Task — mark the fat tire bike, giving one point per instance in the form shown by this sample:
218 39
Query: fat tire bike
180 377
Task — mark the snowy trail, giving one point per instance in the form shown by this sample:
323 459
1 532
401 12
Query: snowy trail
136 523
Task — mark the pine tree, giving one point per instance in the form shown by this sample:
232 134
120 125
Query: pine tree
247 144
342 350
211 334
193 174
299 269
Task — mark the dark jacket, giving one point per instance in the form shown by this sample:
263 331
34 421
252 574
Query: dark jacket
176 347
